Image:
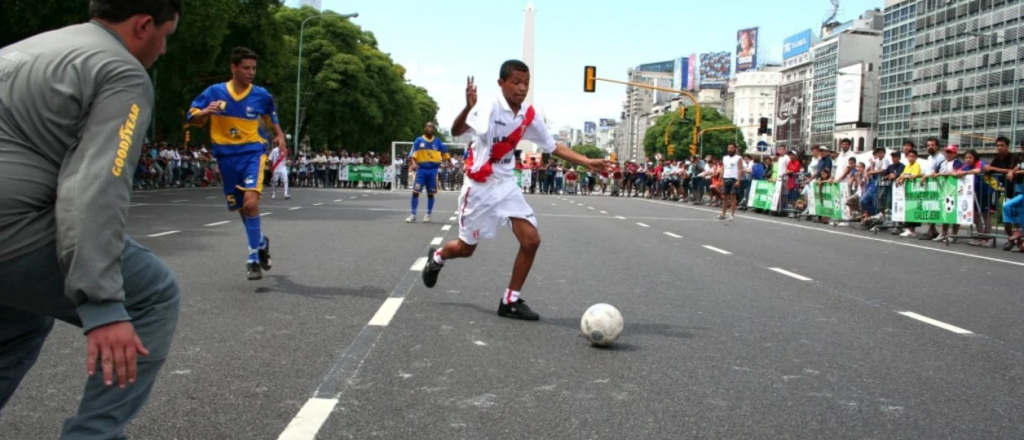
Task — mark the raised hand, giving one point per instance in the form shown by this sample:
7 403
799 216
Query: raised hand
470 92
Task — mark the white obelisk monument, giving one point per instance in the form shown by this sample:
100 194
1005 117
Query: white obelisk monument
528 146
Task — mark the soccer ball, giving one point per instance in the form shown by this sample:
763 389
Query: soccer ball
601 324
950 203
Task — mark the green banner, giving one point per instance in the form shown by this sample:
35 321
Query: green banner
762 194
942 200
827 200
363 173
519 177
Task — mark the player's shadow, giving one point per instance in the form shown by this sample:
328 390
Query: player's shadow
641 328
284 284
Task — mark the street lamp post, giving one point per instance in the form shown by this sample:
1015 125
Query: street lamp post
298 79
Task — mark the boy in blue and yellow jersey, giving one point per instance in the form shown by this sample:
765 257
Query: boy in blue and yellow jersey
425 158
234 110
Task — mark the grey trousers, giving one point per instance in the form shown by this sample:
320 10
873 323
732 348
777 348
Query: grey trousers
32 296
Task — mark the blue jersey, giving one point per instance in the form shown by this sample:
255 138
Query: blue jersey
428 154
236 129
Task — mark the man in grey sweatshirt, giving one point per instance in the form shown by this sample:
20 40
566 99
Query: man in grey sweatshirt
74 104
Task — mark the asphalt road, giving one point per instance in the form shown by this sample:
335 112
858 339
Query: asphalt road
757 328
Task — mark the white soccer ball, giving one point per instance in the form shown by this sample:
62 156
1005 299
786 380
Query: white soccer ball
601 324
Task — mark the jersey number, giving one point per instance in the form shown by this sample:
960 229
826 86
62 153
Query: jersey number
231 200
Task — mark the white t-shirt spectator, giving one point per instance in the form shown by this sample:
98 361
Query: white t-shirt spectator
731 166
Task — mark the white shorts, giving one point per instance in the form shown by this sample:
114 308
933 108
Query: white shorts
484 207
279 175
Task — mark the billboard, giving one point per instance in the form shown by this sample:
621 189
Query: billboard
691 72
606 123
680 78
789 111
659 67
848 92
746 49
797 44
714 70
589 127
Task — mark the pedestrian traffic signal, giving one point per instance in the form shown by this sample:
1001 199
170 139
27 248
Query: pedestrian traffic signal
945 131
763 127
589 79
693 150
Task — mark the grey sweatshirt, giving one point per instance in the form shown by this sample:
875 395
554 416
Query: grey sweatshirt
74 107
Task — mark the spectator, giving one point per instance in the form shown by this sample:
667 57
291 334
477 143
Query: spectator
912 171
1002 165
974 166
1013 208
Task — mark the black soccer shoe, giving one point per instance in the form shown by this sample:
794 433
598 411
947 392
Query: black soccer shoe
517 310
264 253
253 272
432 269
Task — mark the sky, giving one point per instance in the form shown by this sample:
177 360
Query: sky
441 42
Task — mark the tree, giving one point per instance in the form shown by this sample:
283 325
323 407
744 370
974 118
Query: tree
591 151
681 134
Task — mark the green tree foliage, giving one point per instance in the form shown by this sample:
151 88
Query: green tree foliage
681 134
591 151
354 96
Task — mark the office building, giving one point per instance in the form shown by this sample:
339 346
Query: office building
755 93
897 73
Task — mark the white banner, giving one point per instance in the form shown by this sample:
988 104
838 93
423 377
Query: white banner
343 174
965 201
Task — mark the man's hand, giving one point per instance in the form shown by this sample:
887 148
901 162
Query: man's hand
280 143
599 165
116 345
214 107
470 92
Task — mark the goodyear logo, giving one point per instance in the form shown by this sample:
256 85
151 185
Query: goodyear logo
125 134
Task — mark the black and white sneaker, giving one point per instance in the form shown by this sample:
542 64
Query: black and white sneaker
253 272
432 269
264 254
517 310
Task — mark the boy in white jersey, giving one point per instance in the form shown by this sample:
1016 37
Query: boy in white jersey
490 196
732 172
279 168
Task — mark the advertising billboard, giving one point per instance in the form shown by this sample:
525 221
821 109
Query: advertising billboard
589 127
796 45
789 111
606 123
681 77
659 67
849 87
714 70
691 71
746 49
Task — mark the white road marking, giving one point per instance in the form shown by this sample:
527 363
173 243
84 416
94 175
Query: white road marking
317 204
420 263
436 241
336 201
451 219
218 223
295 208
266 213
480 343
620 217
211 198
137 204
366 195
308 421
179 201
446 227
938 324
590 208
789 274
643 225
354 197
673 235
386 311
829 231
163 234
721 251
604 212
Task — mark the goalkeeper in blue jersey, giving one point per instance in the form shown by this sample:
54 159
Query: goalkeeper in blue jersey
234 110
425 158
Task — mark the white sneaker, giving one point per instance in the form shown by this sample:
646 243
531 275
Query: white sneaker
720 217
426 218
287 196
940 237
732 217
843 224
410 219
908 234
273 195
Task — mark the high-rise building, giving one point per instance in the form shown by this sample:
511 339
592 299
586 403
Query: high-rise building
755 93
858 42
311 3
793 108
966 70
897 72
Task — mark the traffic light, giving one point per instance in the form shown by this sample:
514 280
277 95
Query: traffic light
763 127
693 150
187 137
682 112
945 131
671 150
589 79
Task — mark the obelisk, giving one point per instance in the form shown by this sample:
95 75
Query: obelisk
528 146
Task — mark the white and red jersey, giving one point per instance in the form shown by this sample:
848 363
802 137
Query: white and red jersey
277 161
491 122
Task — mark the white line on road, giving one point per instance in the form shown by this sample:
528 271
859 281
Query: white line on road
446 227
336 201
673 235
436 241
366 195
420 263
939 324
354 197
386 312
295 208
721 251
451 219
308 421
789 274
218 223
590 208
211 198
266 213
179 201
317 204
604 212
620 217
163 234
643 225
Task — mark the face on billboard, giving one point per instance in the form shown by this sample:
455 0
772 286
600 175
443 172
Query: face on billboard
746 49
